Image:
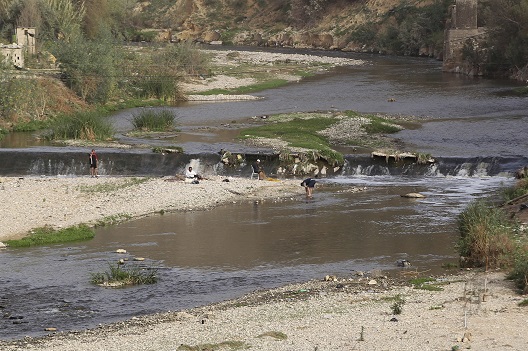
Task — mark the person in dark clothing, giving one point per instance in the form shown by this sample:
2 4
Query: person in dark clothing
309 185
93 164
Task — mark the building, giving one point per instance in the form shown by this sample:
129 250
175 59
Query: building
12 54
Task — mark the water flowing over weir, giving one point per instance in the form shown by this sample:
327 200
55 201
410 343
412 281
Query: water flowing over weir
74 162
474 129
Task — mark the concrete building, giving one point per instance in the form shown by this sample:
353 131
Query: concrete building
25 36
12 54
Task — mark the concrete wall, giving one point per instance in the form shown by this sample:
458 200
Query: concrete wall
461 26
12 54
25 36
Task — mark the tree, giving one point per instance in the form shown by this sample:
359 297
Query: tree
507 23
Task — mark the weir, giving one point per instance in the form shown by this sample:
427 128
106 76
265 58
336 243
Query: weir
144 162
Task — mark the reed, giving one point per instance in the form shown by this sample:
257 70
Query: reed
118 276
87 125
154 120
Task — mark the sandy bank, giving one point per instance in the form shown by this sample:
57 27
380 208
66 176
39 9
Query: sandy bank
31 202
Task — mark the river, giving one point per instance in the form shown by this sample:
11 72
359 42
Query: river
209 256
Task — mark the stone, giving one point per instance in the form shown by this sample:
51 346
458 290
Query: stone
372 282
121 251
139 258
413 195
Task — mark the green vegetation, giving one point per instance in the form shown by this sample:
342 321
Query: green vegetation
405 29
299 131
154 121
110 187
274 334
114 219
506 50
397 306
118 276
167 149
425 284
490 238
48 236
485 236
267 84
88 125
225 345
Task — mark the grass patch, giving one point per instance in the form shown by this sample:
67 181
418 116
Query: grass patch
274 334
523 303
115 219
375 124
87 125
425 284
110 187
300 131
167 149
118 276
225 345
47 235
268 84
154 120
523 91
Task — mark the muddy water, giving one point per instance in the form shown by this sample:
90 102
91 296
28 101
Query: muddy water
209 256
202 257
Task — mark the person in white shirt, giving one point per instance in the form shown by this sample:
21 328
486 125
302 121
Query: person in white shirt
191 176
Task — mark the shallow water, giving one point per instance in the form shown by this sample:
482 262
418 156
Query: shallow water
209 256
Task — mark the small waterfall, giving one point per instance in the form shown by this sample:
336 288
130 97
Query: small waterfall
443 166
115 162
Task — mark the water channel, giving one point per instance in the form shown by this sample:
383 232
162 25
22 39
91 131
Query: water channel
209 256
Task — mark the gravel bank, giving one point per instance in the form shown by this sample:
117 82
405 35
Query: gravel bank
32 202
474 310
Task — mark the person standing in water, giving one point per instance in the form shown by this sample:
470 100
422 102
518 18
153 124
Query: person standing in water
93 164
309 185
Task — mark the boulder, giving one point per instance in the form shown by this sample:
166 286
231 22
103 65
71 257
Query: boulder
413 195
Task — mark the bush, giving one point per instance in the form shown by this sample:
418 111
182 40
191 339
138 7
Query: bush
120 276
90 125
90 67
486 237
154 121
519 273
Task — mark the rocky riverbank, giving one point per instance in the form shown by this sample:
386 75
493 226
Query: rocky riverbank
473 310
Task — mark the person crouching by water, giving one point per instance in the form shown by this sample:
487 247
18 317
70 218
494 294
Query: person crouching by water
191 176
309 185
93 164
257 168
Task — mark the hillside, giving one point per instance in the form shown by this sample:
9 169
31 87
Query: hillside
353 25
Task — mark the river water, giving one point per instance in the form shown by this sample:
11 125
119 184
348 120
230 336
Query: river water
208 256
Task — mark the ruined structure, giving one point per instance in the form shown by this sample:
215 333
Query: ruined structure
12 54
461 28
25 36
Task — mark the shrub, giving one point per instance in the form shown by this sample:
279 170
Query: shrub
519 273
120 276
485 236
154 121
90 125
397 306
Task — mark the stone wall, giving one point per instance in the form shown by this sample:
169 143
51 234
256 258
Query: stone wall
461 27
